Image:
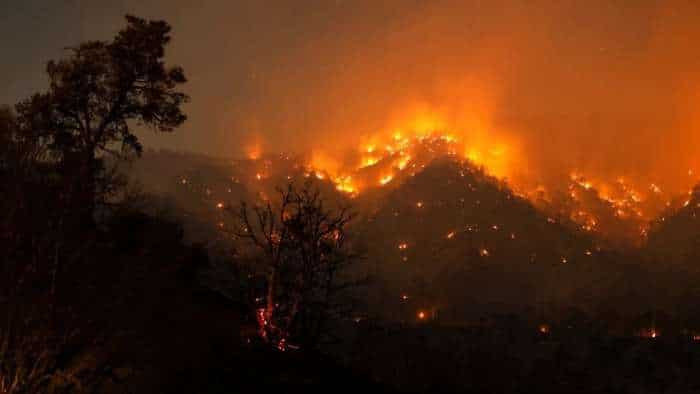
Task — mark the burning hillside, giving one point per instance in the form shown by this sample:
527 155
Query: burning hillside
435 236
618 208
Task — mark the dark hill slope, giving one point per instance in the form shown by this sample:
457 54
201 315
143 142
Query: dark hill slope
459 244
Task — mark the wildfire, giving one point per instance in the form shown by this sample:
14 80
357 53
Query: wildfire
410 142
369 161
405 146
596 202
403 162
344 184
385 179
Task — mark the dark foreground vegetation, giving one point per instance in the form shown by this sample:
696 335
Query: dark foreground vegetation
105 288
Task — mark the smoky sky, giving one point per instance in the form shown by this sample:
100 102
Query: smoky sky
608 87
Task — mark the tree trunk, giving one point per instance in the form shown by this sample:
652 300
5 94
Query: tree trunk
271 298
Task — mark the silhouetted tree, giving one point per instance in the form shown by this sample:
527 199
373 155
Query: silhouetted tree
53 150
98 94
53 145
304 250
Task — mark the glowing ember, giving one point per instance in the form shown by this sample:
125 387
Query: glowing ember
369 161
345 184
403 162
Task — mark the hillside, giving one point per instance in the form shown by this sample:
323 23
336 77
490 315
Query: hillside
436 238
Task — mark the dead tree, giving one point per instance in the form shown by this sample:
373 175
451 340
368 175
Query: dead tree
304 249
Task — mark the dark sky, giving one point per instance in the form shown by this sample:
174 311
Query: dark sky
604 86
232 50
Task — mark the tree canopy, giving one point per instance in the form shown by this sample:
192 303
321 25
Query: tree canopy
104 88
